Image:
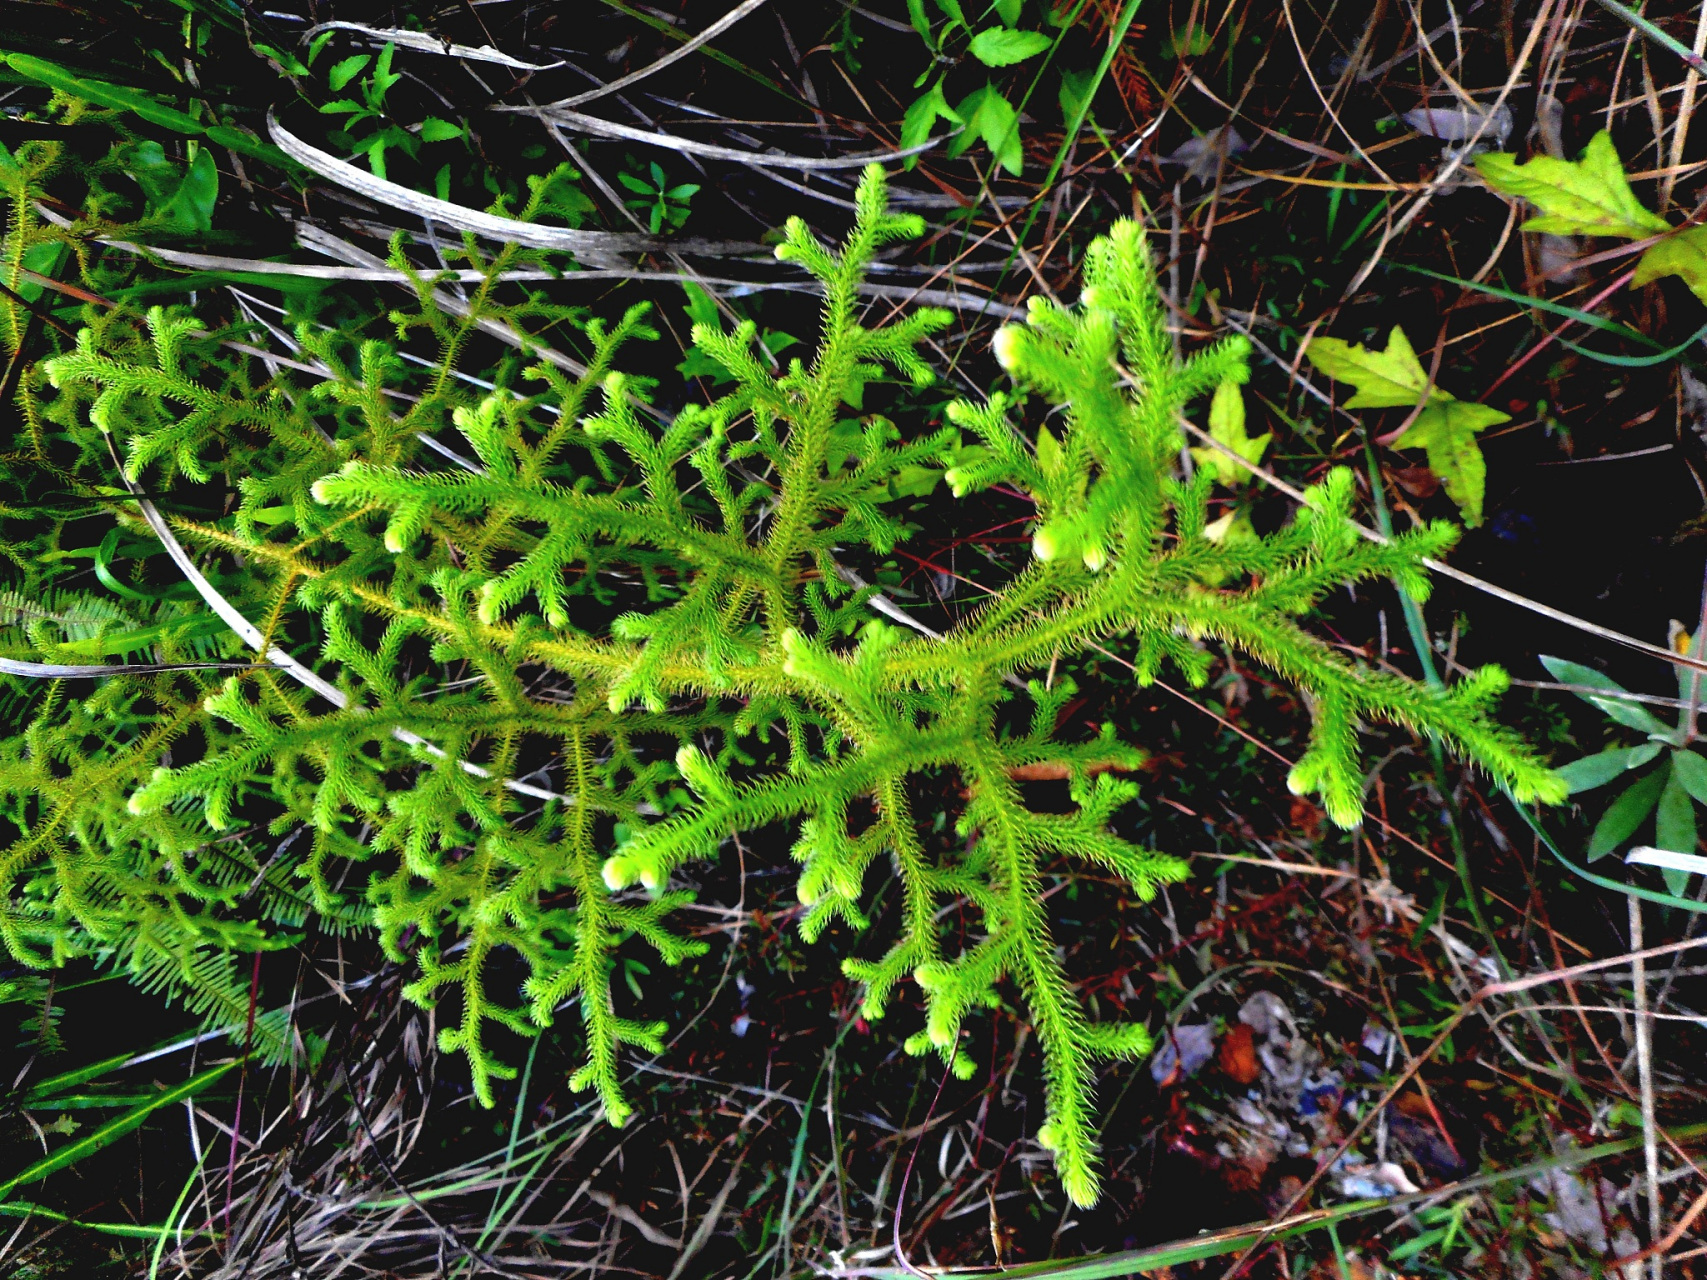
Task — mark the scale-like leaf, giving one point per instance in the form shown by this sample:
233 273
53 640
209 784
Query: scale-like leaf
1587 197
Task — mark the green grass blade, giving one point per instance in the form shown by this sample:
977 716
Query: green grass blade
1659 37
72 1152
1542 304
1233 1239
1636 362
43 1089
1583 873
501 1204
120 98
24 1209
173 1217
716 55
87 1101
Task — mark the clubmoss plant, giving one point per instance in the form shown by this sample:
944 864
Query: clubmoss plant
518 662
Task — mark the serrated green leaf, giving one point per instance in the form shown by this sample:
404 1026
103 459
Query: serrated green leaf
346 69
1227 425
921 22
990 118
1690 770
1002 47
383 76
1626 813
1587 197
1683 255
1447 429
434 129
1390 379
922 115
700 307
1008 10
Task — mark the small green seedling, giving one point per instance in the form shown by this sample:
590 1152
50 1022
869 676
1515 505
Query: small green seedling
664 205
371 108
1671 789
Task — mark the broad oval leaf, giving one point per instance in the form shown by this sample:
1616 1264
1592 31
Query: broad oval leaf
1000 47
1674 818
1566 672
1640 756
1596 770
1626 813
1631 714
1690 770
1674 829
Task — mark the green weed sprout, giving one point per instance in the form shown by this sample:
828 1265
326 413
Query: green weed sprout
618 639
1671 789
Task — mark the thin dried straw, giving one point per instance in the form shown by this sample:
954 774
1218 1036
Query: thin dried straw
675 55
762 159
589 244
421 42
